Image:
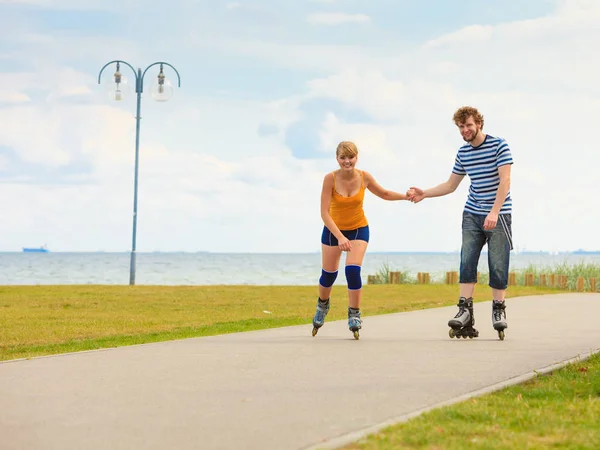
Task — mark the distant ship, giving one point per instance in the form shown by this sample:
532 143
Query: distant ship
42 249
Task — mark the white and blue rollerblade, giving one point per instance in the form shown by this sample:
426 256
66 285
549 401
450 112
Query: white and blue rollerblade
354 321
320 314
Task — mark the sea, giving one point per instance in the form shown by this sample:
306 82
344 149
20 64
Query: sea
58 268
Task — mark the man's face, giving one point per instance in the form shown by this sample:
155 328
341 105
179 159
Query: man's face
469 130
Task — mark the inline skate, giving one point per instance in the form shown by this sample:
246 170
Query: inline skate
354 321
499 317
462 324
320 314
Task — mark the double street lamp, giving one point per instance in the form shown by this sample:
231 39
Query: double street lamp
161 91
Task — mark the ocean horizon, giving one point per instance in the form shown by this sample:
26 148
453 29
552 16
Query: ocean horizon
208 268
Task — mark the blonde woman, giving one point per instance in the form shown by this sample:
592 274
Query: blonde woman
346 229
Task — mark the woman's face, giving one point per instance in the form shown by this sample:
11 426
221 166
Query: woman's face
346 162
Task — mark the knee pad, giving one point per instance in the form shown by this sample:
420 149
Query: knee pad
353 277
327 278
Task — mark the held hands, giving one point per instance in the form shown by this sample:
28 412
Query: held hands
415 195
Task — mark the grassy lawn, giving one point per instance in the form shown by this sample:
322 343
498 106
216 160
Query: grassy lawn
556 411
45 320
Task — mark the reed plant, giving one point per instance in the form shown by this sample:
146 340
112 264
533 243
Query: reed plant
382 276
586 270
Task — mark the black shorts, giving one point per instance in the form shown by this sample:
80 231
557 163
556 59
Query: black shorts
360 234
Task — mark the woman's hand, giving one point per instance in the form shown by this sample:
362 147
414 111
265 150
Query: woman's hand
344 245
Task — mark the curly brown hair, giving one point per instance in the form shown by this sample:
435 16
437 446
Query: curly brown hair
346 148
462 115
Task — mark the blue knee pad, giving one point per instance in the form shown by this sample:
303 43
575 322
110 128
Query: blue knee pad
327 278
353 277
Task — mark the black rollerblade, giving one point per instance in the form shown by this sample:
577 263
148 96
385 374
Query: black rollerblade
462 324
320 314
499 318
354 322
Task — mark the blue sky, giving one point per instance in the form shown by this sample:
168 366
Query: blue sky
235 160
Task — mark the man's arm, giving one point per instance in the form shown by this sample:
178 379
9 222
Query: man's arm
441 189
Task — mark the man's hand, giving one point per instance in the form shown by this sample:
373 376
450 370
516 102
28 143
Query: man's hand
416 194
490 221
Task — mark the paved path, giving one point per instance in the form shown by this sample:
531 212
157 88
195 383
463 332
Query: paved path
282 389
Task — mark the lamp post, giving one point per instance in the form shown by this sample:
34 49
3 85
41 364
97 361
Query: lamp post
161 91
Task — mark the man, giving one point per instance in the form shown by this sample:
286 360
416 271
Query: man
486 217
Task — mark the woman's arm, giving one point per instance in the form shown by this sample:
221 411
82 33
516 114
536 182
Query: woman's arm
379 191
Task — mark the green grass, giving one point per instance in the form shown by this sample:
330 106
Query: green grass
45 320
556 411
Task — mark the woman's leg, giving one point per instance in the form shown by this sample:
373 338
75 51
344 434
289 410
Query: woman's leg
330 260
354 260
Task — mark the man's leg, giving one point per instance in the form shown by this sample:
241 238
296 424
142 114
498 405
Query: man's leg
473 240
499 247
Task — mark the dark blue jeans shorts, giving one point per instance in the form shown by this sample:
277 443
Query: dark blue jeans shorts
499 242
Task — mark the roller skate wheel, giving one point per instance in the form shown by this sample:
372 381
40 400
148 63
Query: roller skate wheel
470 337
501 335
464 336
315 331
356 335
451 333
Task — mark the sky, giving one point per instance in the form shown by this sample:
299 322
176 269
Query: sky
234 161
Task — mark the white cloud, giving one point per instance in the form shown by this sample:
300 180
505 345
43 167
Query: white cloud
336 18
205 171
467 34
369 90
13 97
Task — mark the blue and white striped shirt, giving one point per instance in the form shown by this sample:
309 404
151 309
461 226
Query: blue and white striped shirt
481 164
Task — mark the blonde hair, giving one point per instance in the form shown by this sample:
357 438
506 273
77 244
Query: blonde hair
462 115
346 148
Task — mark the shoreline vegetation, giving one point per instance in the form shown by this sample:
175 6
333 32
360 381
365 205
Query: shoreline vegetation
581 277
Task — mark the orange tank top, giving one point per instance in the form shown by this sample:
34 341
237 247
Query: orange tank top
347 212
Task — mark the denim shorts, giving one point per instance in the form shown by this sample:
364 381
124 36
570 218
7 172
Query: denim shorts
360 234
499 242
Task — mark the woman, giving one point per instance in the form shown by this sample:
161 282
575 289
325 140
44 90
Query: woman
346 229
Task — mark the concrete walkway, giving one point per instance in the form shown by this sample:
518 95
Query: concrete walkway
283 389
